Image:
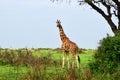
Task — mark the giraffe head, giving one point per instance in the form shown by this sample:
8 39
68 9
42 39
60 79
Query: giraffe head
58 23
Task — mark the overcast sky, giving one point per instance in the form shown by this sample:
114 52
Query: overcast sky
32 23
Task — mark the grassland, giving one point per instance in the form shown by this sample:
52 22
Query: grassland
44 64
40 64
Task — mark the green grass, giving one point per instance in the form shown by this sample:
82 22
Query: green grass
86 58
49 67
9 72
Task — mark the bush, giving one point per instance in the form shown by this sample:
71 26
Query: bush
107 57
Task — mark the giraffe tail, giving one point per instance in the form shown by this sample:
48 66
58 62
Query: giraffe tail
78 59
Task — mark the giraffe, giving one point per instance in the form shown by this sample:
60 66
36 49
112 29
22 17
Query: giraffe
68 47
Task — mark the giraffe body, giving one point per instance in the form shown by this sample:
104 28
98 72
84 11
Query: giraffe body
68 47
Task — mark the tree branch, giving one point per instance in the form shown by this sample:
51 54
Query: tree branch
107 7
116 2
112 7
97 9
118 12
119 15
108 18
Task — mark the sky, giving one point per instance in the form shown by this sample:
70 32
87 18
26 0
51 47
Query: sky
32 24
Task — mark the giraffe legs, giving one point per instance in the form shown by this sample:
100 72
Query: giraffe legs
68 61
77 61
63 59
73 59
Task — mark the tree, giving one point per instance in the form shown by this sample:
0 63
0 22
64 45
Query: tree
107 56
111 10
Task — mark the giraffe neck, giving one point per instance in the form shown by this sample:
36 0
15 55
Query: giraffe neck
62 35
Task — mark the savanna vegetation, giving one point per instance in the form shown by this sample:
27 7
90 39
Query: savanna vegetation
105 63
45 64
41 64
107 57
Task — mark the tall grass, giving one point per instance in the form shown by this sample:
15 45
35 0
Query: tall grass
24 64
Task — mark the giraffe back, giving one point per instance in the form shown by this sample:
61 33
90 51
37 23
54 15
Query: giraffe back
70 46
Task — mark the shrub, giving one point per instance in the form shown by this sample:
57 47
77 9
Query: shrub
107 57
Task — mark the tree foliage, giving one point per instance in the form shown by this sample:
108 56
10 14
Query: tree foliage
107 57
109 9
